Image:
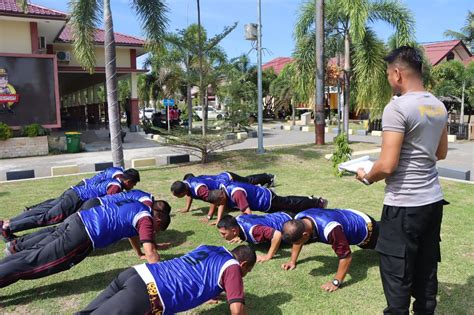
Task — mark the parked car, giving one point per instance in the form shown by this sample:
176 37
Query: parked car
212 113
146 113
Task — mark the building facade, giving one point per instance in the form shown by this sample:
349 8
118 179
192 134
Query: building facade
50 86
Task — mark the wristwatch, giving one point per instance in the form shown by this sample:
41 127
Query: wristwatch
366 181
209 217
336 283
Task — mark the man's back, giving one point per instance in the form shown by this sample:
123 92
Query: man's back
421 117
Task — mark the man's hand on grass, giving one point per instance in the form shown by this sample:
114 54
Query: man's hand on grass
263 258
329 287
288 266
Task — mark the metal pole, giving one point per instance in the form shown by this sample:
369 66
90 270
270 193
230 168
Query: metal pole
260 149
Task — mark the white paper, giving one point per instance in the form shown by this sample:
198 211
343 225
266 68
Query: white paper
353 165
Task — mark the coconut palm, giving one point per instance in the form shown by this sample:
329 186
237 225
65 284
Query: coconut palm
85 16
350 20
467 32
184 46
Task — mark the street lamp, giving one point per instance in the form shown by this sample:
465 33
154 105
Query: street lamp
254 32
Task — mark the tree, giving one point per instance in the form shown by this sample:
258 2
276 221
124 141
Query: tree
85 16
452 80
288 88
350 19
184 50
467 32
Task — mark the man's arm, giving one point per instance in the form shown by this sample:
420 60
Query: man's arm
135 242
295 252
442 150
389 157
265 233
210 213
340 245
189 202
113 189
237 308
146 234
220 212
151 255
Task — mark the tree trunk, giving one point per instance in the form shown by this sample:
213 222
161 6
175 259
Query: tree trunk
190 108
111 82
347 75
293 112
202 92
319 97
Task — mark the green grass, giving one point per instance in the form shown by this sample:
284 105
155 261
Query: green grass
300 170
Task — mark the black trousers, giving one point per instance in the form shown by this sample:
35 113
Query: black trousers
45 204
66 204
409 251
30 240
293 204
255 179
126 294
63 247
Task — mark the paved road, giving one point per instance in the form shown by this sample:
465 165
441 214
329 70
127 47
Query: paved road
461 155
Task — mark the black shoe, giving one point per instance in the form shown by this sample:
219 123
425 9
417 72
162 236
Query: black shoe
323 203
272 180
7 235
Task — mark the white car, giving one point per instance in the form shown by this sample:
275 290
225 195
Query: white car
212 113
146 113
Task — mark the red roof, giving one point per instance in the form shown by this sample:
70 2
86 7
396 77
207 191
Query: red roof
277 64
9 7
435 52
120 39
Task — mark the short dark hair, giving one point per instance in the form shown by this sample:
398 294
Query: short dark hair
245 253
131 174
162 205
293 231
178 188
227 222
164 217
214 195
189 175
410 56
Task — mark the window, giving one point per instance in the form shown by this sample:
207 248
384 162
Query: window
450 56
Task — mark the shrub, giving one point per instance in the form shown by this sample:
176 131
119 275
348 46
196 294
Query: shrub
196 145
5 132
342 153
33 130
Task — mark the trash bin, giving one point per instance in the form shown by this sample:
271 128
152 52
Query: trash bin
73 141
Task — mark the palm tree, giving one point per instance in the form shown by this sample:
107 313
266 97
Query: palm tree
349 19
184 46
85 16
289 88
467 32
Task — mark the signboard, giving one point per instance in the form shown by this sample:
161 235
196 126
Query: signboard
168 102
28 90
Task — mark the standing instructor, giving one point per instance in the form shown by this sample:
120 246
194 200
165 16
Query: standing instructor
414 138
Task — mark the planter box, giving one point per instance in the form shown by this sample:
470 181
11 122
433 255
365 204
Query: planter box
24 146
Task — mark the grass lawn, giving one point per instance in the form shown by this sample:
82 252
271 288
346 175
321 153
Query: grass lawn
300 170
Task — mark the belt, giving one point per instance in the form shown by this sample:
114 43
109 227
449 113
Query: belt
155 301
370 229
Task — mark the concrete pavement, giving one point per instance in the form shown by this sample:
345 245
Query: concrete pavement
137 145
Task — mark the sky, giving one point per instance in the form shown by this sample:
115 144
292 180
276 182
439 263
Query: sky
432 18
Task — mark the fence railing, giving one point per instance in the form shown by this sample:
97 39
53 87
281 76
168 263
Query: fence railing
460 130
